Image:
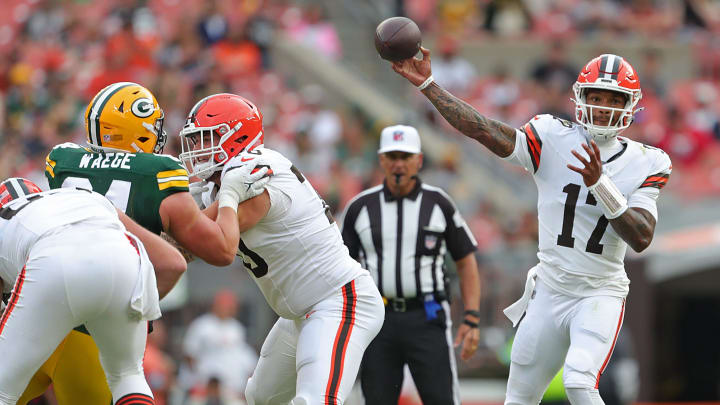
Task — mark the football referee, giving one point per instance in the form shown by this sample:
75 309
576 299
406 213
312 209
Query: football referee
401 231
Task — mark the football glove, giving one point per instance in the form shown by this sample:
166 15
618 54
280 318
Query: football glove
197 189
240 183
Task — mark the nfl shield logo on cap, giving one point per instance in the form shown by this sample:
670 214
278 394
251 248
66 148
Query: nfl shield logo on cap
401 138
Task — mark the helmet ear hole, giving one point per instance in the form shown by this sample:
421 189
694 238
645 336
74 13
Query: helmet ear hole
143 139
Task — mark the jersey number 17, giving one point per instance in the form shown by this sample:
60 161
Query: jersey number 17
565 238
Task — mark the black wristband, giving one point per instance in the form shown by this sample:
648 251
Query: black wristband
470 323
472 312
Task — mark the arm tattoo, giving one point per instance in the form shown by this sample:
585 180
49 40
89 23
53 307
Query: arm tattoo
636 226
495 135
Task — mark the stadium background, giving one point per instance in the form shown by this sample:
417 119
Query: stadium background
312 69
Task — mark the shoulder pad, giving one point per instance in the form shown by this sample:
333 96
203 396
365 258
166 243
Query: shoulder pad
660 167
65 146
262 158
662 159
547 120
162 162
171 157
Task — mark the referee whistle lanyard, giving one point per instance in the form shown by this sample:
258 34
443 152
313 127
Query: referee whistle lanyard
516 310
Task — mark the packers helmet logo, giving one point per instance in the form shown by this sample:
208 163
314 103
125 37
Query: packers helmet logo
142 107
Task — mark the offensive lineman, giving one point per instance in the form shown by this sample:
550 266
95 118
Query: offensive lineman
328 305
122 162
587 177
53 248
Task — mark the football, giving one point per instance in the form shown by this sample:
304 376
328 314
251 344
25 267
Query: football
397 38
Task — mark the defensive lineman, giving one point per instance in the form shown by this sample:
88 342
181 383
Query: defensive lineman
122 161
328 305
588 178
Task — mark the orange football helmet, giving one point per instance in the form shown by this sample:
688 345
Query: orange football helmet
218 128
607 72
16 187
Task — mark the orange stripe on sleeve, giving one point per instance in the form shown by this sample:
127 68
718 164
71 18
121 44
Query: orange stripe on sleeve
534 144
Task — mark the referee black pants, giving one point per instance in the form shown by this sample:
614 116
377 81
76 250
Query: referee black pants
408 338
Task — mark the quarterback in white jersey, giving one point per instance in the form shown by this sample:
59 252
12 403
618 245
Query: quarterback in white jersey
54 248
579 253
328 304
597 194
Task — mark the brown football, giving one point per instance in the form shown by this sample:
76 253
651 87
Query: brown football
397 38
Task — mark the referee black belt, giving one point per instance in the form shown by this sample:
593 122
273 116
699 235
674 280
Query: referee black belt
404 304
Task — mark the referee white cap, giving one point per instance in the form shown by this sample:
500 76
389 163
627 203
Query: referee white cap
401 138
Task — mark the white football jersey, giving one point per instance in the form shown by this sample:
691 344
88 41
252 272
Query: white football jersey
26 219
295 253
580 253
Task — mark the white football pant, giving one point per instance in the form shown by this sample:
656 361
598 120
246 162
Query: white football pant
83 275
314 360
558 330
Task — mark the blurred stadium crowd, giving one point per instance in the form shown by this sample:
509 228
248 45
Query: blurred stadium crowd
52 61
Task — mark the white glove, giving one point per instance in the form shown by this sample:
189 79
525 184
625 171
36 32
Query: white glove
197 189
238 185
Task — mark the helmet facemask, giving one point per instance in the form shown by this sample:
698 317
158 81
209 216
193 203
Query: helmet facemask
620 118
218 128
610 73
159 132
203 150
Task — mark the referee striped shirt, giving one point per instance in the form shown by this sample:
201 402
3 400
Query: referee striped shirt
403 241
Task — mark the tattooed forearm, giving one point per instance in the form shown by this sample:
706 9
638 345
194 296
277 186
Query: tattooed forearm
495 135
636 226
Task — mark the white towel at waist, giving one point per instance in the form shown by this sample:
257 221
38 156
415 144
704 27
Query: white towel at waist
516 310
145 302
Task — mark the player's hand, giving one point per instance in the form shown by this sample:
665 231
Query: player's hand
414 69
242 183
199 187
469 338
196 191
593 168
